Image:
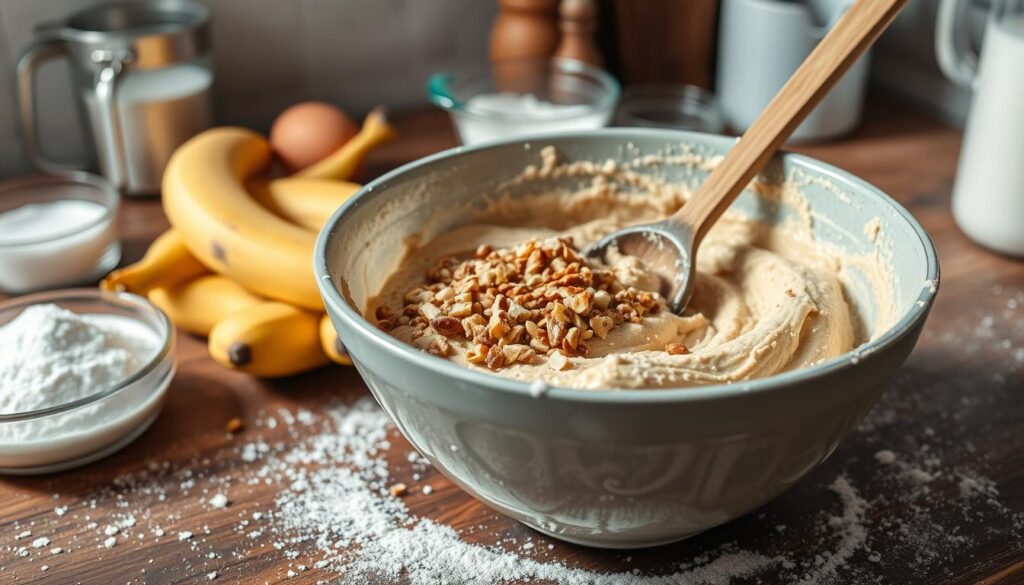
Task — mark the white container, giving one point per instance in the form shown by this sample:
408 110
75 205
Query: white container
760 45
522 97
51 256
988 194
69 435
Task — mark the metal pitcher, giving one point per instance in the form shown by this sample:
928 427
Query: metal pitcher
143 81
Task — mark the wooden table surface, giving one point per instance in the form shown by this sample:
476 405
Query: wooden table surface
949 510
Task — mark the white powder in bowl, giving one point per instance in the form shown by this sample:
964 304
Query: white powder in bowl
40 221
57 243
51 356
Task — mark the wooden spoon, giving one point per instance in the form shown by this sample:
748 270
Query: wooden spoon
669 246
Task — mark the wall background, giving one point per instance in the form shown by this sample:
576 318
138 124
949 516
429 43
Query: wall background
358 53
269 54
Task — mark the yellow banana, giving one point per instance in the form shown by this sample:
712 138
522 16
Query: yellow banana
307 202
167 262
226 229
197 305
342 163
331 344
268 340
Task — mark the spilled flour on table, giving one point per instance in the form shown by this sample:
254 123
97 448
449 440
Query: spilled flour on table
337 499
335 520
920 498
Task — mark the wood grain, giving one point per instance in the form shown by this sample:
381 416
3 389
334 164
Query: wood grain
958 399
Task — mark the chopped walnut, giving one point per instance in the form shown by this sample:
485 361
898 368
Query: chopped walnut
234 425
676 349
540 298
447 326
559 362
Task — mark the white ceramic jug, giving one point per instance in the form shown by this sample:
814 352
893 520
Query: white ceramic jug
988 194
762 42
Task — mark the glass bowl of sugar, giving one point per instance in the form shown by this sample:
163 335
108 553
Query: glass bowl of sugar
57 231
83 372
525 96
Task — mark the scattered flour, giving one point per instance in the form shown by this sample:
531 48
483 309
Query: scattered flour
334 515
337 501
885 457
40 542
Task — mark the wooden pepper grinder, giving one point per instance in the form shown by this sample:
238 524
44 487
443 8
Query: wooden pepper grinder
578 25
525 29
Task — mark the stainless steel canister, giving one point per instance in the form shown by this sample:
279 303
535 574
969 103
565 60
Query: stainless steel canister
142 76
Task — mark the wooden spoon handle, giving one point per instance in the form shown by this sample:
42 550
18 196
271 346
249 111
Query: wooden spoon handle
834 55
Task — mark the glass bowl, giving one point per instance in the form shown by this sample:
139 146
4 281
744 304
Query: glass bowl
681 107
72 434
553 95
59 258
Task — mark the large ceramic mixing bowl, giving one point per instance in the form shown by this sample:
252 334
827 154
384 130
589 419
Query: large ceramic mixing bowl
626 468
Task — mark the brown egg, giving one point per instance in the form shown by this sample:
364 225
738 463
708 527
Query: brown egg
306 133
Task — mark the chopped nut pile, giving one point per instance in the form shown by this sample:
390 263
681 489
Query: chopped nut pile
539 298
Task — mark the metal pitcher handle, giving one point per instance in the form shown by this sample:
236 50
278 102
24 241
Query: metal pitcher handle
953 43
29 62
111 65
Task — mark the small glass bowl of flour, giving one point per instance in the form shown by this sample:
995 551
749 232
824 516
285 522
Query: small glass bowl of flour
57 231
82 373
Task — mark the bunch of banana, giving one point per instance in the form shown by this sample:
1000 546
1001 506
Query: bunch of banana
237 264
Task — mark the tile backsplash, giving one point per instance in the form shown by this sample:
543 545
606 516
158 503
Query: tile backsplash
269 54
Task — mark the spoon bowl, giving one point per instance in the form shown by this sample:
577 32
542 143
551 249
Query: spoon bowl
666 247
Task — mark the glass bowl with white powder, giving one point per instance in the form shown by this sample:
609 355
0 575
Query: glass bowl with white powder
83 373
57 231
525 96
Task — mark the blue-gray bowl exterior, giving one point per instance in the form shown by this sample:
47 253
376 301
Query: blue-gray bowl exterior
633 468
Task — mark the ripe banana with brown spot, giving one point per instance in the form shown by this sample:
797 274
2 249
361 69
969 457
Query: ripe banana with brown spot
167 262
332 344
268 340
205 199
340 164
307 202
197 305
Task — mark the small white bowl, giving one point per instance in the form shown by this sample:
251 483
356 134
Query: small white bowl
46 440
78 256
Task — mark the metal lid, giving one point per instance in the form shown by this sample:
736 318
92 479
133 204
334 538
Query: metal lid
156 32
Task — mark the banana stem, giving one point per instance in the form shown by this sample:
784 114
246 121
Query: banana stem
342 163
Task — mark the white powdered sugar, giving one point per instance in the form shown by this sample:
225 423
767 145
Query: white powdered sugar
337 500
335 516
51 356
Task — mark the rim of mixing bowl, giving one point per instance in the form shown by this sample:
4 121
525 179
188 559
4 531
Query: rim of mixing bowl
333 298
121 299
108 198
440 93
